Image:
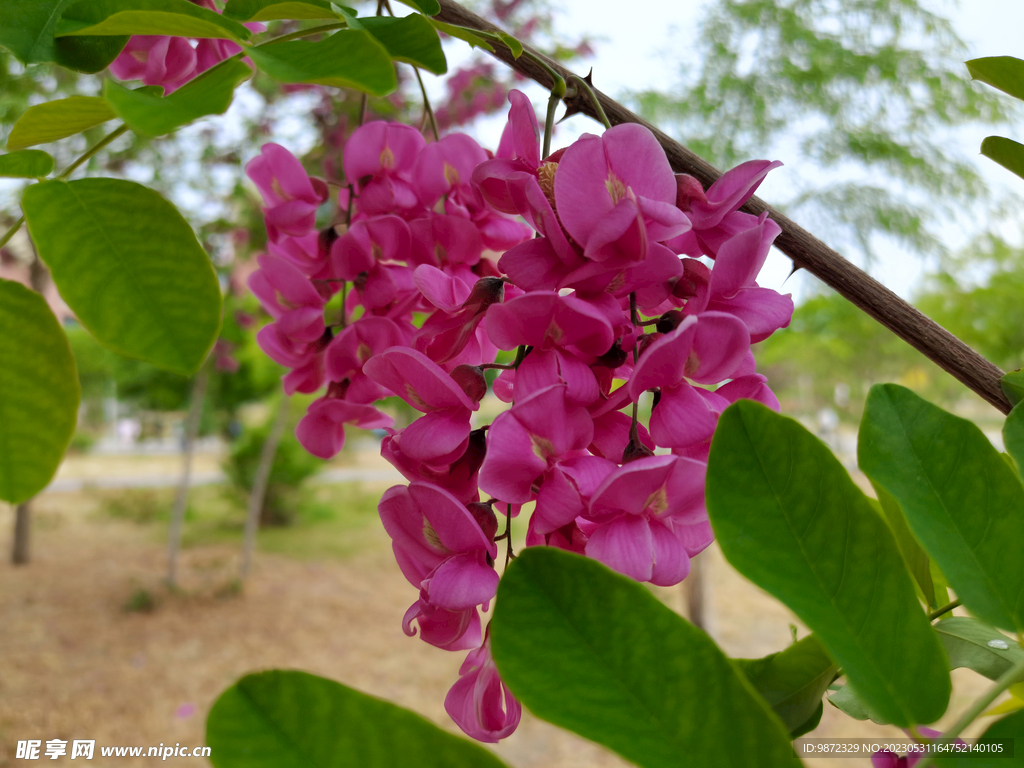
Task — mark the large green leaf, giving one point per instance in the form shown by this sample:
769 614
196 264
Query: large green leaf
1013 385
26 164
790 519
794 680
1006 152
129 266
38 393
964 503
1009 731
975 645
845 700
913 554
1003 72
151 115
147 17
411 39
26 29
286 719
597 653
59 119
1013 437
271 10
350 58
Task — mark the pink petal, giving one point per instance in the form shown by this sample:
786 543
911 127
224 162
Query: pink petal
462 582
681 418
663 364
625 545
453 524
417 379
511 465
671 562
720 345
438 437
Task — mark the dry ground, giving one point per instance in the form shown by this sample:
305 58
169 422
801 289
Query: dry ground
75 664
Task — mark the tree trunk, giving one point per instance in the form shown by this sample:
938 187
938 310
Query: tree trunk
22 520
697 594
195 411
259 486
21 552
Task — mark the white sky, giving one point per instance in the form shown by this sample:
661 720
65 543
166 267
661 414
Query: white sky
634 53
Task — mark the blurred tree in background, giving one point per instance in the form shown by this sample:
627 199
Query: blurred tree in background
858 96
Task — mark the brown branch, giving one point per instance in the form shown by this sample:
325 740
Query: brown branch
806 251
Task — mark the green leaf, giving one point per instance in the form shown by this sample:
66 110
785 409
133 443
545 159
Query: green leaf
350 58
1003 72
411 39
1013 437
514 46
462 33
133 272
59 119
1013 385
272 10
975 645
38 393
964 503
147 17
914 556
1006 152
26 29
26 164
151 115
845 700
597 653
287 719
793 681
812 722
429 7
1009 731
790 519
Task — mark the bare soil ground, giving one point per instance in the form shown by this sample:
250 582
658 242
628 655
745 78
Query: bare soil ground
74 663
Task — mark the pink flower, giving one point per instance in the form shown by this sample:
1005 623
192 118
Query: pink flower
348 352
155 60
706 350
442 549
379 161
322 430
479 702
290 196
651 519
616 192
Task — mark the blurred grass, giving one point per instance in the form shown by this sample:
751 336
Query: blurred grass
332 522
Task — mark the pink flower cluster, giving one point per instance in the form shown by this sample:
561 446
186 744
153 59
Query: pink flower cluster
173 61
628 280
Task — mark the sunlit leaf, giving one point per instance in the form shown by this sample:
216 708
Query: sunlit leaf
287 719
59 119
595 652
513 45
462 33
429 7
1006 152
38 393
149 114
1013 385
1003 72
147 17
26 164
271 10
133 272
913 555
790 519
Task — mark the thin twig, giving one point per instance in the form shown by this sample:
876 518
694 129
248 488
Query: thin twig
119 131
426 104
11 232
944 609
806 251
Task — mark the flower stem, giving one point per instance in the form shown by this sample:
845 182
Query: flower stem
117 132
507 535
426 104
581 83
11 232
306 33
1011 676
943 610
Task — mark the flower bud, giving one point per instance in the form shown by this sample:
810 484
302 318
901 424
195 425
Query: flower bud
487 291
635 450
485 518
471 379
669 321
614 357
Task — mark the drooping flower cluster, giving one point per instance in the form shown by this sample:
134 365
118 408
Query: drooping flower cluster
173 61
628 280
